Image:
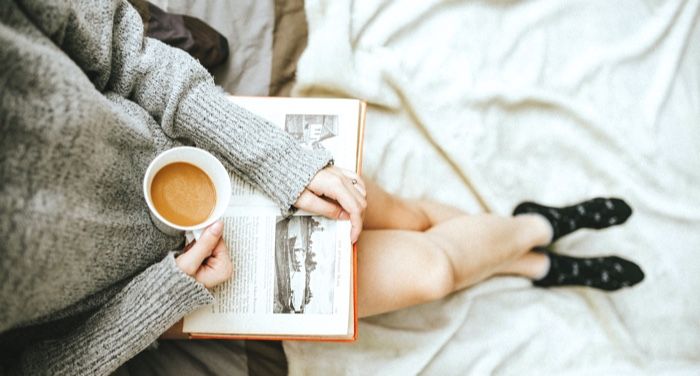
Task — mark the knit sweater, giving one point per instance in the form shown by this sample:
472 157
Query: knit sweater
86 102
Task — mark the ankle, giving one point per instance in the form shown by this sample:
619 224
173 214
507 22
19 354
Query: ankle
541 267
539 230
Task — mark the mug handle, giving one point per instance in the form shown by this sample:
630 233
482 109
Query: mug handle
193 235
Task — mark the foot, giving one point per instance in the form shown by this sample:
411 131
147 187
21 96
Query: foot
605 273
596 213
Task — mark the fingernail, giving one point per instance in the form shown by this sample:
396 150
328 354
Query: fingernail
217 228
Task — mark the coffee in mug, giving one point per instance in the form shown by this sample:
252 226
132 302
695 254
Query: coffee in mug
183 194
186 189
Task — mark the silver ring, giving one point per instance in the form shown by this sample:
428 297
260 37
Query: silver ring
354 181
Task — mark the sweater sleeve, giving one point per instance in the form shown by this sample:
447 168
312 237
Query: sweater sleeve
147 306
106 40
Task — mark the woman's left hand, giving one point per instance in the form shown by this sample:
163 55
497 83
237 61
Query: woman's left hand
207 260
336 193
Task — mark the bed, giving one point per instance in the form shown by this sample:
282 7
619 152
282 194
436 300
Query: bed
504 101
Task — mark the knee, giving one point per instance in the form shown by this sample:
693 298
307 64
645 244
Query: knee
437 279
531 232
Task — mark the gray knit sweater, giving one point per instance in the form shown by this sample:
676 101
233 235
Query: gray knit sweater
86 280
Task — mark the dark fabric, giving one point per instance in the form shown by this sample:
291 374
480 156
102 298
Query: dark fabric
608 273
14 342
596 213
188 357
289 41
266 358
208 357
184 32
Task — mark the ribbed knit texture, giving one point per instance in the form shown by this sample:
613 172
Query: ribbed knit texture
151 302
269 171
85 104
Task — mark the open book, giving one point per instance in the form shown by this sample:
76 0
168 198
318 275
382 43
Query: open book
294 278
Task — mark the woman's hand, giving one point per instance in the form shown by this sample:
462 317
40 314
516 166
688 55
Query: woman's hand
336 193
207 259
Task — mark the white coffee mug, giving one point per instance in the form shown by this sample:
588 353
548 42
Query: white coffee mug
207 163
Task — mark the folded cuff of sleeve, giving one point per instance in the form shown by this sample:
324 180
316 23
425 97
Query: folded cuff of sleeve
250 145
151 303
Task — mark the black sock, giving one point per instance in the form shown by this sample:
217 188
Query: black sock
595 213
606 273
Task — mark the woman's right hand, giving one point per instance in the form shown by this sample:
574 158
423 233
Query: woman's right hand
336 193
207 259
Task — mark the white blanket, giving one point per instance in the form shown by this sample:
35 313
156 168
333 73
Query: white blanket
554 101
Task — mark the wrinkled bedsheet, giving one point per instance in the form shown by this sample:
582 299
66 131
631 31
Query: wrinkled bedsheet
502 101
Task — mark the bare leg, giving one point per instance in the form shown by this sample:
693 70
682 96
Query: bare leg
415 252
533 265
386 211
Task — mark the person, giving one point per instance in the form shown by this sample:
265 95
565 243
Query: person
86 102
87 281
416 251
421 219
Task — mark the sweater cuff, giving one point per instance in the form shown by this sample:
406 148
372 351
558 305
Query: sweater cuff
151 303
251 146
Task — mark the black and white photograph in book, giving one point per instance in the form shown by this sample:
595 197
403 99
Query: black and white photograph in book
310 130
304 265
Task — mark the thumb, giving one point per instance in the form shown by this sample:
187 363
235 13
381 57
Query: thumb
190 261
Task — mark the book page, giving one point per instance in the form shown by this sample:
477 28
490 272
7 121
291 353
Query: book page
292 276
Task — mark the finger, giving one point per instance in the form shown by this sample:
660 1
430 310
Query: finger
350 207
220 260
217 255
349 199
355 192
190 261
220 251
338 187
219 267
188 246
356 227
359 186
356 180
312 203
333 185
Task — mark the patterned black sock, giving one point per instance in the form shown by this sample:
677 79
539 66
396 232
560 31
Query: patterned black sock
595 213
606 273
